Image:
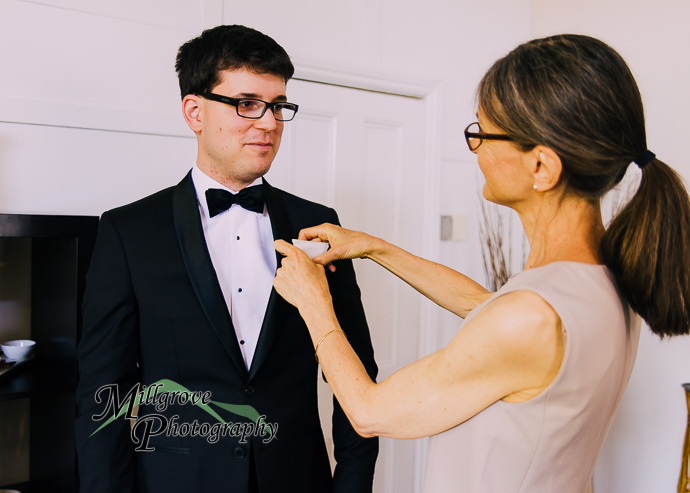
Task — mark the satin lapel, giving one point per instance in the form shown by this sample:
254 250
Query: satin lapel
200 268
277 306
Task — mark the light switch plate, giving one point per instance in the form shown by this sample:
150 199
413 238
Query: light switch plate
454 227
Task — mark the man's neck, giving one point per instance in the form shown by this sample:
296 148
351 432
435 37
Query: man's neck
229 182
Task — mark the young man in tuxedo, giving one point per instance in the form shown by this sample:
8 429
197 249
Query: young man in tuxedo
180 289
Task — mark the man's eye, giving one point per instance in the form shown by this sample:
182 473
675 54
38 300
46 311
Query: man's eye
249 105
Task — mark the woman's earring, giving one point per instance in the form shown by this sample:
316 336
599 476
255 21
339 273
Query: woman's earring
534 186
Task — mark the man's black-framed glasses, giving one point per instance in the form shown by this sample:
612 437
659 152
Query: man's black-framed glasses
256 108
474 136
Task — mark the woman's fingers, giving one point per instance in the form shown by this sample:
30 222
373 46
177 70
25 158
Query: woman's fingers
285 248
325 232
298 280
316 232
344 243
327 259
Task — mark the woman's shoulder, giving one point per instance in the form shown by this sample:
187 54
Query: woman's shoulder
515 314
570 280
564 286
562 269
579 293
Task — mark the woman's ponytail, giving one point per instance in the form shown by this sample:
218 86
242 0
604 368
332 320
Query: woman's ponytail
647 247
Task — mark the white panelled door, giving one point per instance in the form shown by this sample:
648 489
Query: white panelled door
362 153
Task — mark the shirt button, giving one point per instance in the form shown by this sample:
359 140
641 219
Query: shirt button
239 290
240 452
238 237
242 342
249 390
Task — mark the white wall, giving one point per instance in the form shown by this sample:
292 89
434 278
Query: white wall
89 108
643 451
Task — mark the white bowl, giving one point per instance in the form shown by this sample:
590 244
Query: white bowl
312 248
19 349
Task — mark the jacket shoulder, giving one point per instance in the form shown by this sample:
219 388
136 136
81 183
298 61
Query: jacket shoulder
299 205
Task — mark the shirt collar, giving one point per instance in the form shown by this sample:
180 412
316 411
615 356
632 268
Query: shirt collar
203 182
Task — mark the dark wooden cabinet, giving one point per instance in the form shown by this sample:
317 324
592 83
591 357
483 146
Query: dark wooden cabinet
60 250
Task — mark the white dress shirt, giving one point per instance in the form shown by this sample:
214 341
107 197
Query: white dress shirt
241 246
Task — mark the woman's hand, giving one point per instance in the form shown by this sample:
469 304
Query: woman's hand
301 282
345 244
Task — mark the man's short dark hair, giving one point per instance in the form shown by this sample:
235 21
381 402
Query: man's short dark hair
201 60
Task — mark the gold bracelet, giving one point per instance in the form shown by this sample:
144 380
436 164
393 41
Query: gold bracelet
316 349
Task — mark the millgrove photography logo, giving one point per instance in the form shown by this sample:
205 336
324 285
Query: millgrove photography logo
164 393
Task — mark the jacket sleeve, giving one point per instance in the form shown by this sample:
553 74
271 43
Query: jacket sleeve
107 356
355 456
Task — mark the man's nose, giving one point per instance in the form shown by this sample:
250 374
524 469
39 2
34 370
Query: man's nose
267 122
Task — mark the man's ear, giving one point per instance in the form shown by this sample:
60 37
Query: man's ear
191 109
547 168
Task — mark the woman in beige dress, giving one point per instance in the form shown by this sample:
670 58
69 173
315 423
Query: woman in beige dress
522 397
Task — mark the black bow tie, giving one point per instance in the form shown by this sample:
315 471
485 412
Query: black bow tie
251 198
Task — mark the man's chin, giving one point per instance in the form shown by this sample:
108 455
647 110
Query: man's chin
257 171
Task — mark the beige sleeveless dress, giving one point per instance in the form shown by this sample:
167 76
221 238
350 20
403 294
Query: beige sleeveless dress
550 443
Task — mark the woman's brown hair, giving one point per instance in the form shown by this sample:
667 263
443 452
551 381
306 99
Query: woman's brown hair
576 95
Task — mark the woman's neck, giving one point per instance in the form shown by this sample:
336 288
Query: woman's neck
562 229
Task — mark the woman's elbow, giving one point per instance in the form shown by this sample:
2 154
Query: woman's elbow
364 434
365 422
364 428
365 413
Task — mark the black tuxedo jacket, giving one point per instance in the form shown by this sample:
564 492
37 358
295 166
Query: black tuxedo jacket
153 309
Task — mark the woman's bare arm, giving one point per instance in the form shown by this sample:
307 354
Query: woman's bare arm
511 350
444 286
